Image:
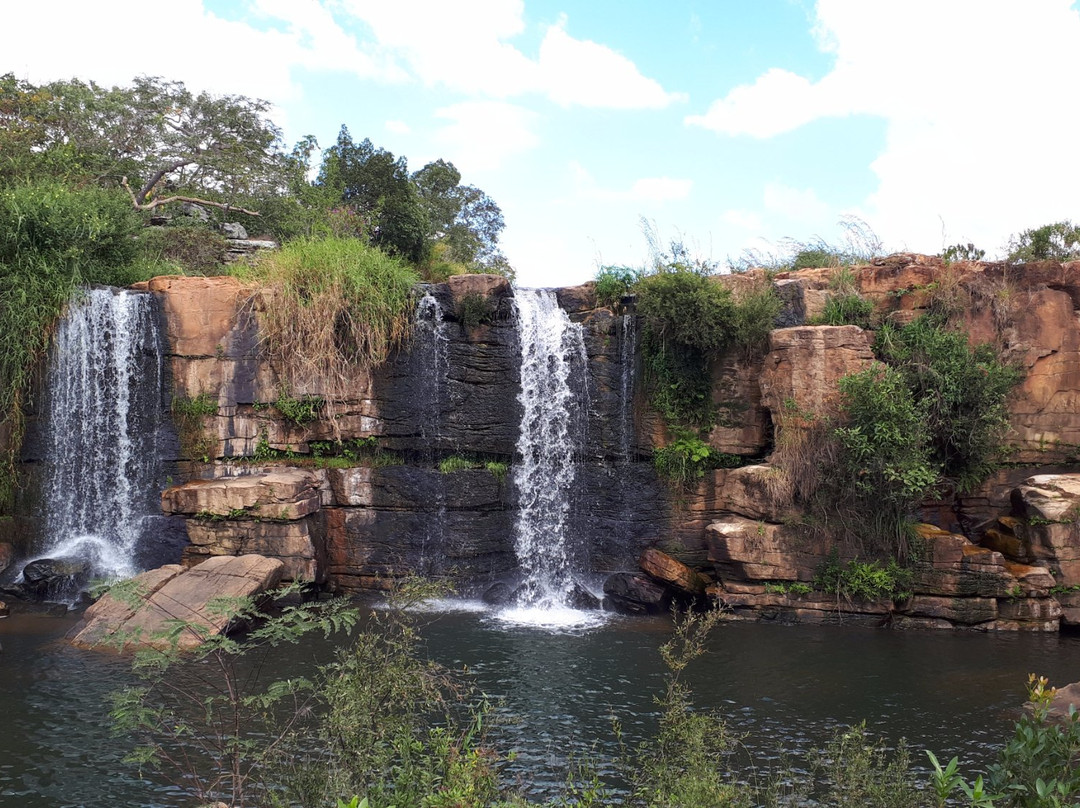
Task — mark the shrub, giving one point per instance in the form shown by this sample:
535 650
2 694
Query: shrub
849 309
475 309
193 249
299 411
1059 241
688 319
864 580
963 392
612 284
884 454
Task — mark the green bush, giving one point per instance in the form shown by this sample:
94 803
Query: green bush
962 391
192 249
884 455
85 232
299 411
475 309
612 284
455 463
849 309
864 580
1059 241
689 319
685 460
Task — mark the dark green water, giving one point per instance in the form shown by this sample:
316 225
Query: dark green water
784 687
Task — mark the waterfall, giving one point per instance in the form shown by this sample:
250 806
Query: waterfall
104 412
544 475
435 362
435 353
627 350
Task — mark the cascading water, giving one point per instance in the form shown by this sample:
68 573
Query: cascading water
102 472
435 355
627 350
544 475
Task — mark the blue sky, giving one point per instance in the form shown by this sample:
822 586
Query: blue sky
730 125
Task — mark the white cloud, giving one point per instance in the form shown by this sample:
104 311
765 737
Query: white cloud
798 205
743 219
482 134
398 127
976 100
242 59
578 72
465 47
646 189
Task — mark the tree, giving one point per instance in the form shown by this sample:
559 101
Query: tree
462 216
1059 241
160 140
376 184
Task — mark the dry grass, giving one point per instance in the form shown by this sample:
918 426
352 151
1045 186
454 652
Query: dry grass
328 311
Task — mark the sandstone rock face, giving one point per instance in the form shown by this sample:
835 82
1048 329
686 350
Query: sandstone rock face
7 555
668 571
805 363
1049 505
170 594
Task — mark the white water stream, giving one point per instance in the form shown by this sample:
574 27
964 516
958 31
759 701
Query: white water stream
544 474
103 391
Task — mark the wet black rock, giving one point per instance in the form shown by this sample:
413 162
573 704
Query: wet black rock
634 594
55 577
581 598
498 594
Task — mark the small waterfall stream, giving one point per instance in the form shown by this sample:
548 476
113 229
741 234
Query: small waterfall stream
104 412
544 475
435 355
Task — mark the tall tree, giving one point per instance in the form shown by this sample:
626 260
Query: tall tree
373 182
168 142
462 216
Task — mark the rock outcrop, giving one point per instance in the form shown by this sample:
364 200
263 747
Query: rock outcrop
163 596
353 496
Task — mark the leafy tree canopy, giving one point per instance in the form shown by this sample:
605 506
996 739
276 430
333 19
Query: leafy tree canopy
1059 241
408 214
165 139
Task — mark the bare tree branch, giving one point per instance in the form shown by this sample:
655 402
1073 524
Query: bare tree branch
192 199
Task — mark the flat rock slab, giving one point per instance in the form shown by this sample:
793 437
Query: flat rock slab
171 593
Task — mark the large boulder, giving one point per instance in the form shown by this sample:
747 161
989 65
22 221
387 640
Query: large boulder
634 594
666 570
171 593
50 578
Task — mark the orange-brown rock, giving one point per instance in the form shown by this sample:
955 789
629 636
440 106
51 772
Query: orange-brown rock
282 494
665 569
200 313
749 550
178 595
295 543
805 363
743 425
490 285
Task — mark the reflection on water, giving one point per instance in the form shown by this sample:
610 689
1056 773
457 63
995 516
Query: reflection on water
558 690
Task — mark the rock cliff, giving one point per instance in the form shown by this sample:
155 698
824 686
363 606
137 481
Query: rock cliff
349 492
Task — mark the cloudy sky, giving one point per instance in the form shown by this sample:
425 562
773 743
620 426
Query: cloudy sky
727 123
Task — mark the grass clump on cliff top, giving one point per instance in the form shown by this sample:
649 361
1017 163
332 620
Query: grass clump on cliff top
330 308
